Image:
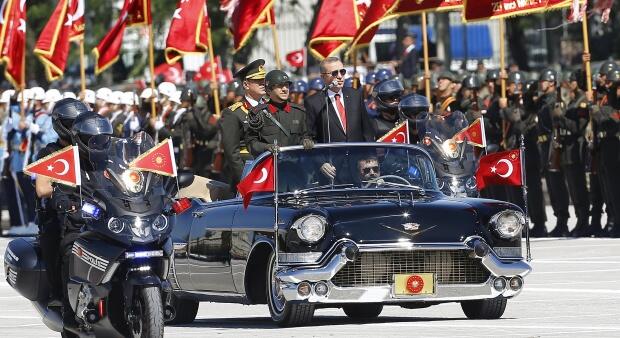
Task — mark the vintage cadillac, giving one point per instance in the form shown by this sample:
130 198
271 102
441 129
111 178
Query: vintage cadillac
378 233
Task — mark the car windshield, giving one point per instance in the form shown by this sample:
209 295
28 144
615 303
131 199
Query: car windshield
369 166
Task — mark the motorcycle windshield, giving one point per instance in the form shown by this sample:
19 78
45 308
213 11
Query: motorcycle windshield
454 159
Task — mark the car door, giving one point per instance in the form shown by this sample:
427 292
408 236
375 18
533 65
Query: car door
209 247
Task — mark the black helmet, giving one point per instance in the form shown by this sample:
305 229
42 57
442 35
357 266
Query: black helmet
382 74
316 84
63 115
412 105
607 67
548 74
385 92
92 133
299 86
492 75
516 77
276 77
471 82
188 95
614 76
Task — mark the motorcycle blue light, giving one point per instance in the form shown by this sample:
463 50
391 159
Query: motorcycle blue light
144 254
91 210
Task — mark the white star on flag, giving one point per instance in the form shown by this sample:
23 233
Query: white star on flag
394 140
22 25
493 169
50 168
177 13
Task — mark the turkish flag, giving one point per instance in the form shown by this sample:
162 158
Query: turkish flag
375 14
247 15
159 159
493 9
474 134
296 58
399 134
189 30
260 179
503 168
171 73
13 40
75 18
62 167
134 12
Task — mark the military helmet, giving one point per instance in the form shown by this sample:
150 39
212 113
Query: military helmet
64 114
614 76
188 95
276 77
386 92
607 67
412 105
471 82
382 74
548 74
492 75
448 75
516 77
299 86
316 84
371 78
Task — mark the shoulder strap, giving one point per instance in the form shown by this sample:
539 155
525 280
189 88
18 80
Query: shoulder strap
273 119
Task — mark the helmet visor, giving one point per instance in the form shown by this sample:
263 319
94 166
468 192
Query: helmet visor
98 142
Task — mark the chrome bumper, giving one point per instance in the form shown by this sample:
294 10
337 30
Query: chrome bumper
291 277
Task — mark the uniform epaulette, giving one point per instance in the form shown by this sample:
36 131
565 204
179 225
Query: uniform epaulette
236 105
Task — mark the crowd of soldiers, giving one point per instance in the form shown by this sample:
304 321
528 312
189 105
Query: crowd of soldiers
571 135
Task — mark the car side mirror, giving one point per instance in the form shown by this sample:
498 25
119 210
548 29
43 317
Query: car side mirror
186 178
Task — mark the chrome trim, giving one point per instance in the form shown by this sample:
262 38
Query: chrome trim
326 272
496 265
298 257
400 246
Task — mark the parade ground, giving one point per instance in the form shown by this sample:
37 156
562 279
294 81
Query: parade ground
572 292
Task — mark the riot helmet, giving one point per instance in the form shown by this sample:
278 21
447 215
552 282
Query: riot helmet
299 86
412 106
92 132
382 74
516 78
371 78
316 84
387 94
64 114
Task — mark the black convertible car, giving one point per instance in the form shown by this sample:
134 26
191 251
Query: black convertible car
377 233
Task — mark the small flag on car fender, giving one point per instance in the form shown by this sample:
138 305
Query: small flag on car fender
503 168
474 134
159 159
62 167
260 179
398 134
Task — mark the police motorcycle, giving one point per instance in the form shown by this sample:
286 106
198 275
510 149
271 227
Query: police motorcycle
120 259
455 160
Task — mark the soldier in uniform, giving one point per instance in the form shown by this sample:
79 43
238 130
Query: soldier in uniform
205 140
444 99
386 95
277 119
117 118
470 102
233 123
299 89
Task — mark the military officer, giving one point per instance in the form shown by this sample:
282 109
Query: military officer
277 119
233 123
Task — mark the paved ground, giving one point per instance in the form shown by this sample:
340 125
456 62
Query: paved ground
571 293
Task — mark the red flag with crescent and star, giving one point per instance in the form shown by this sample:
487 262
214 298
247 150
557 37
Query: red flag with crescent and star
399 134
189 30
13 40
503 168
260 179
61 167
296 58
474 134
159 159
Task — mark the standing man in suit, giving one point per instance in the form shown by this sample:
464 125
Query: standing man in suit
345 119
408 63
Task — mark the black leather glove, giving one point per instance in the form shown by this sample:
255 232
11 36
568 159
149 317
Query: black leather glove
307 143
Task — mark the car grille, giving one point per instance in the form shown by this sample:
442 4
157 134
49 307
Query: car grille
379 268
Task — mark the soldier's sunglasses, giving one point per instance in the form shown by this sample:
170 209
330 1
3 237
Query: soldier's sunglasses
367 170
335 72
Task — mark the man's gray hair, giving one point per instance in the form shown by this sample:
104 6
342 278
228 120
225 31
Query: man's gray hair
330 59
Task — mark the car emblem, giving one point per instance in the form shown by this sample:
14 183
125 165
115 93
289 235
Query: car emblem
411 226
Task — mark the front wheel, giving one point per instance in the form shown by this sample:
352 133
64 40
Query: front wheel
282 312
147 315
485 308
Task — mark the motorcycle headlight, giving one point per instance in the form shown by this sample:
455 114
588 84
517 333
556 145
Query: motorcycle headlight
160 223
310 228
116 225
140 228
508 223
450 148
133 180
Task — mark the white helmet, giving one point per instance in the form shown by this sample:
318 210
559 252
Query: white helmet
69 95
6 96
176 97
130 99
115 97
103 94
52 96
38 93
148 93
167 88
89 96
27 95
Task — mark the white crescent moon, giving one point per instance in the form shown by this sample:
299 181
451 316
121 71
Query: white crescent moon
403 135
510 167
65 170
174 74
79 11
263 177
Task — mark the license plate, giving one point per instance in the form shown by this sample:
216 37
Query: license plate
414 284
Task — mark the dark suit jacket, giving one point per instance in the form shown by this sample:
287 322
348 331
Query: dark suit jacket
409 64
359 128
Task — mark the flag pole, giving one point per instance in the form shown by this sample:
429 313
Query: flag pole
524 189
152 69
216 92
82 67
586 49
275 199
427 80
276 44
502 55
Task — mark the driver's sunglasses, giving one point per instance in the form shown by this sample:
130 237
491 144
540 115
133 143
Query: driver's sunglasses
335 72
367 170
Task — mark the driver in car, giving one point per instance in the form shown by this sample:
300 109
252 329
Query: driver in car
369 170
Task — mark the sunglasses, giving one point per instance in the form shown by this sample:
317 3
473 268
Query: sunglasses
335 72
367 170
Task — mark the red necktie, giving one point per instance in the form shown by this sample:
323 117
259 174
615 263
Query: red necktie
341 112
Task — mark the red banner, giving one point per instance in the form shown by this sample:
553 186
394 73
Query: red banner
476 10
247 15
75 18
159 159
189 30
13 41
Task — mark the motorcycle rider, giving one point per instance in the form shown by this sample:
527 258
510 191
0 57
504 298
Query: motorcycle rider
413 107
386 95
63 115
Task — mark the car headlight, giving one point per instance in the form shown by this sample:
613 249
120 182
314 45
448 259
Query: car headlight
133 180
160 223
508 223
310 228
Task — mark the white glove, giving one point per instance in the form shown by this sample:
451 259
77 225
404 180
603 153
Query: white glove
328 170
5 155
158 125
134 125
34 128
